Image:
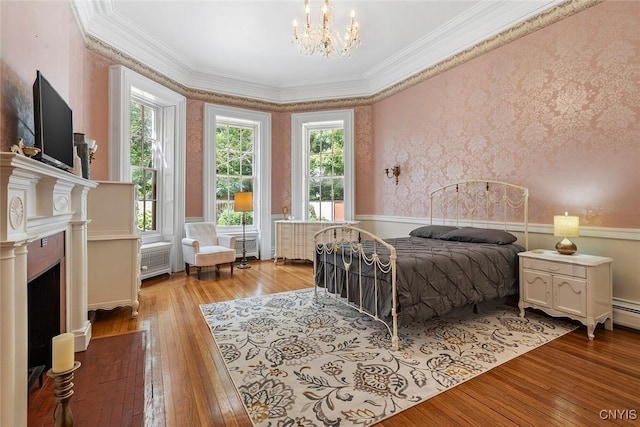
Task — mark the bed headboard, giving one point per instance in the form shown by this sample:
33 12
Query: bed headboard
494 204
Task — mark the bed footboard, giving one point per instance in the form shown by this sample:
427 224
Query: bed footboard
366 276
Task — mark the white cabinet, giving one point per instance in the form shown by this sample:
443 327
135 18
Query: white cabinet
577 286
294 239
113 247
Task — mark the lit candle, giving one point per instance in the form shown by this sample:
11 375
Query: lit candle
63 352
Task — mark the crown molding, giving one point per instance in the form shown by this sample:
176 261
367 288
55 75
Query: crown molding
405 69
478 23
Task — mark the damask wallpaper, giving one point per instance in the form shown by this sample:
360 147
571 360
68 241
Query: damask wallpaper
557 111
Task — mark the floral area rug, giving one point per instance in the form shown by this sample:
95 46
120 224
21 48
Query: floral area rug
296 361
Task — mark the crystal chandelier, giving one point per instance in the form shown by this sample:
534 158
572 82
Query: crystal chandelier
323 39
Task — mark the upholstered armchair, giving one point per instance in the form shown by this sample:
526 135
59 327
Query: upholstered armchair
204 247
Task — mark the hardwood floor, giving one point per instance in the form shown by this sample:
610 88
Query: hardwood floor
570 381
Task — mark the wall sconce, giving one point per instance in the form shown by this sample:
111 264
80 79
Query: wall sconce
394 173
566 226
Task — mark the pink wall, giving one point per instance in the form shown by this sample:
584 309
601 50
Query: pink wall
44 36
96 81
365 175
557 111
41 38
194 159
281 162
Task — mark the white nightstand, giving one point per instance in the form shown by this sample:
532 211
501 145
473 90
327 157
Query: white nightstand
577 286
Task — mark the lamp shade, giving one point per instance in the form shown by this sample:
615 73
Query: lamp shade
566 225
243 202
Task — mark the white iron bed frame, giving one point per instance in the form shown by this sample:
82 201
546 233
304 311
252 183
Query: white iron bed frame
464 200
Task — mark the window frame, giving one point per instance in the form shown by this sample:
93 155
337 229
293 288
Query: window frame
255 128
301 125
152 235
262 171
123 84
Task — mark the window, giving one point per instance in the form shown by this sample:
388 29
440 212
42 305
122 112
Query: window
326 172
322 170
147 140
235 146
144 166
237 157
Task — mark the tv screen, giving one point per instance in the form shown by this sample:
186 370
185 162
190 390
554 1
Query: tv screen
53 125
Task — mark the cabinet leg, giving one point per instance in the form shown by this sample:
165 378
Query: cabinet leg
134 309
521 306
590 328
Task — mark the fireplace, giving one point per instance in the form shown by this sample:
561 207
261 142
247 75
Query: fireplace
41 208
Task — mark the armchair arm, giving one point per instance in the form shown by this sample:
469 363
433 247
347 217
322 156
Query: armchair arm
191 242
227 240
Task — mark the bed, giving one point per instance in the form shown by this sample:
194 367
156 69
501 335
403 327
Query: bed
465 257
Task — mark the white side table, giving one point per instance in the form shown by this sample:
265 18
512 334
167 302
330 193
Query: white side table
577 286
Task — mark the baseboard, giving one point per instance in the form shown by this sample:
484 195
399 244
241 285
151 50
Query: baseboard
626 313
82 337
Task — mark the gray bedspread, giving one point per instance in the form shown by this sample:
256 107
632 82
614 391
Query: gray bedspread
434 276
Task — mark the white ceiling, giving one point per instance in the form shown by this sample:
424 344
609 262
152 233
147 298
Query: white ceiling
244 48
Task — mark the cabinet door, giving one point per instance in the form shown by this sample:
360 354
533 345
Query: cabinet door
113 273
570 295
537 288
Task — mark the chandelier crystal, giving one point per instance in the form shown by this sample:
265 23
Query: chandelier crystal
322 38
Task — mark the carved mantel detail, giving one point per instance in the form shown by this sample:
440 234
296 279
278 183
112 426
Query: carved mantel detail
16 212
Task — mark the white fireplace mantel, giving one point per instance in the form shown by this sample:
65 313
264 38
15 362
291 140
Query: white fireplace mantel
37 200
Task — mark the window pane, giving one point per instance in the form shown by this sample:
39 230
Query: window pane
234 169
136 150
143 169
338 189
150 184
147 152
248 218
325 178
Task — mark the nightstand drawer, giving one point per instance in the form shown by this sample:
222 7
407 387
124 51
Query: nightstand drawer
555 267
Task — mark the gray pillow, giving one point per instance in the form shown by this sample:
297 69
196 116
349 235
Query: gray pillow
480 235
432 231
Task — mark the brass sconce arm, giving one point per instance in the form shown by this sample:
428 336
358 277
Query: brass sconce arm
395 172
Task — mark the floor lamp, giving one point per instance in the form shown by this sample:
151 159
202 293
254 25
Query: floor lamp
243 203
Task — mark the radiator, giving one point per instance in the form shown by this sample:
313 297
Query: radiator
626 313
251 247
155 259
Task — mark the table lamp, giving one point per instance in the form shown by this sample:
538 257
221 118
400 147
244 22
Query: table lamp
566 226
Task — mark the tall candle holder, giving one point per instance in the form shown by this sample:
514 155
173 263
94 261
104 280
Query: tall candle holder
63 391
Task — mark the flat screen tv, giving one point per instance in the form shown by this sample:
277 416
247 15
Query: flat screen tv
53 125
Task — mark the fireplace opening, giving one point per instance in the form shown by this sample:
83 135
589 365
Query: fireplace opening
46 299
43 295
